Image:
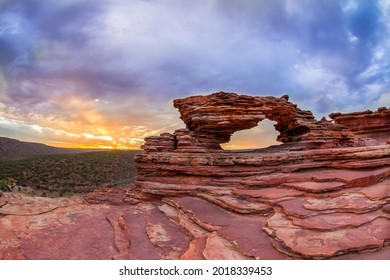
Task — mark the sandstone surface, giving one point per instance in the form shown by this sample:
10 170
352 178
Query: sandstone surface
322 194
372 124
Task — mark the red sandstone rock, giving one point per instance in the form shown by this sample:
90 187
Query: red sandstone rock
380 191
214 118
269 193
375 125
327 222
324 193
195 250
218 248
319 244
323 178
316 187
348 202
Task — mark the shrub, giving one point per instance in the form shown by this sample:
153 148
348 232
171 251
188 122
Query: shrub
4 185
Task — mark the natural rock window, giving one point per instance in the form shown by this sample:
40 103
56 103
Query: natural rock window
261 136
212 120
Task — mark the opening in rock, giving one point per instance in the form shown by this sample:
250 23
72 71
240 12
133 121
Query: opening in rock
261 136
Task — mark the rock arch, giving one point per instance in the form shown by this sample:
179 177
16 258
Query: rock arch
212 119
217 116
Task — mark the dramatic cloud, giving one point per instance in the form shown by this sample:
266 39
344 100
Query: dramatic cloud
104 73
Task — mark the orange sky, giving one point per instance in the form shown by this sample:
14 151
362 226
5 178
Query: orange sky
84 123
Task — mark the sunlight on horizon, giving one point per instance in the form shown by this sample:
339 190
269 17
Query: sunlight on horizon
261 136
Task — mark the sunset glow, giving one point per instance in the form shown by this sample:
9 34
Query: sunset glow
103 74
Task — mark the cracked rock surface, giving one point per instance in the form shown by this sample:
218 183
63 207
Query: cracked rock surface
351 222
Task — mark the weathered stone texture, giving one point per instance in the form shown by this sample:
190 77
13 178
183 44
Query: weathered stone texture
324 184
375 125
217 116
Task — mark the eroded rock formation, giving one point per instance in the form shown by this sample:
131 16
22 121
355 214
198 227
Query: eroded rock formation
212 119
323 194
372 124
322 185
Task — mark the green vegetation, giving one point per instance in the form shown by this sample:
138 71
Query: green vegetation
69 173
4 185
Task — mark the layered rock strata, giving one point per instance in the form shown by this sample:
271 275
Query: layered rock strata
212 119
316 214
312 204
323 185
372 124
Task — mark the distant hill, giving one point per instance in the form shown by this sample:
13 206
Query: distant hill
12 149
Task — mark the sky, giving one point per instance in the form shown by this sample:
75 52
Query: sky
104 73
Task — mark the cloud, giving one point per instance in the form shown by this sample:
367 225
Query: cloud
58 57
384 100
